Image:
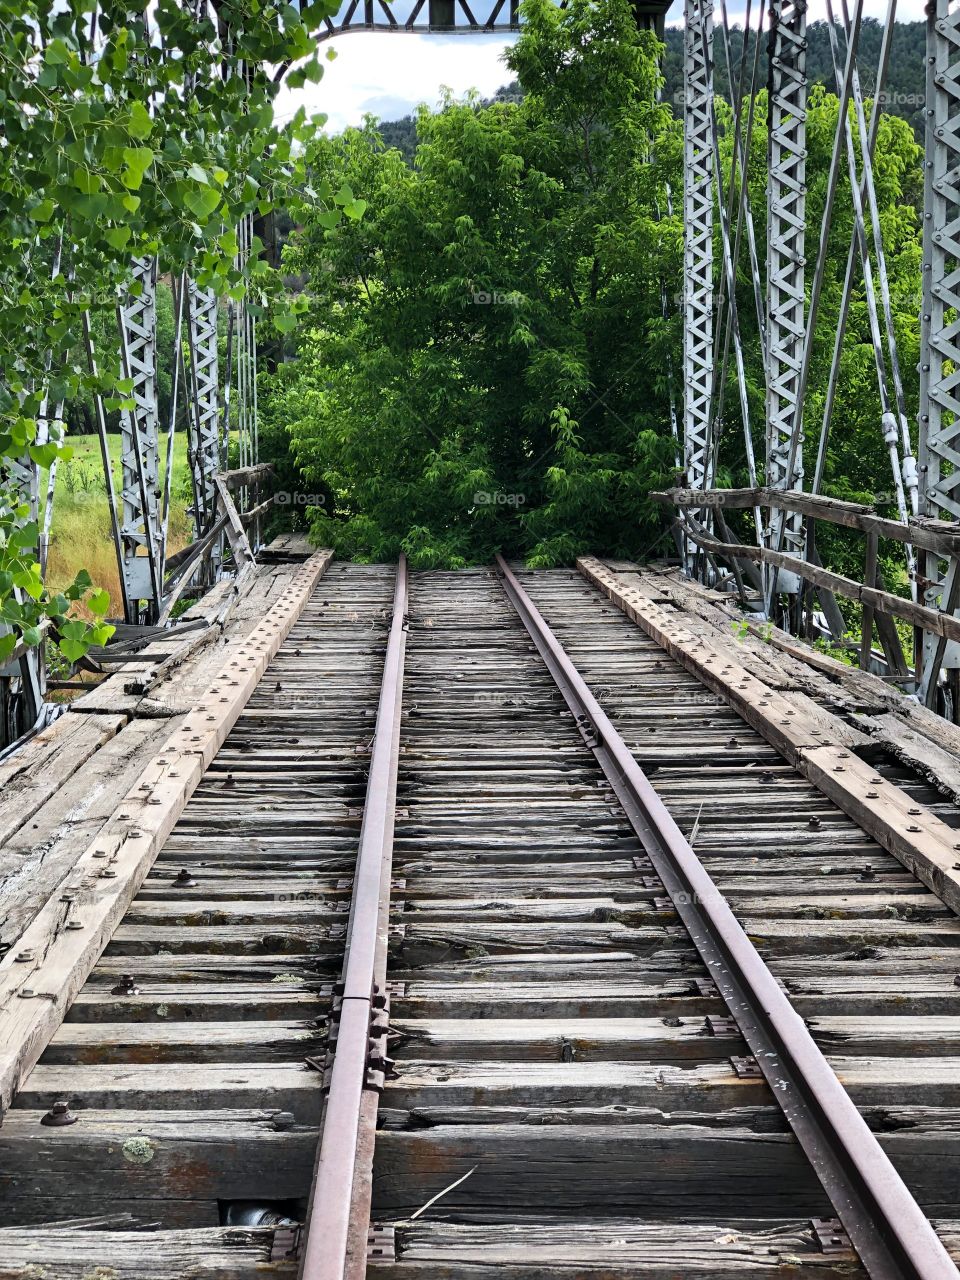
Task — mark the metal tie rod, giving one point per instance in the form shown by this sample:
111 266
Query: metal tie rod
888 1229
337 1220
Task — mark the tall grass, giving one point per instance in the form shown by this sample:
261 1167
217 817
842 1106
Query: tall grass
81 535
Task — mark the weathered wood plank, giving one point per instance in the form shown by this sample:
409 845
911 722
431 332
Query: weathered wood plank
64 1253
52 960
910 831
174 1165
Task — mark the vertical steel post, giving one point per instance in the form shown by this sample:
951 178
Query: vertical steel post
698 188
205 409
786 230
939 436
140 531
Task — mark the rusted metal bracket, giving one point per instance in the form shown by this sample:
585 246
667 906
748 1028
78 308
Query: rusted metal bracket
286 1244
381 1243
720 1026
830 1235
746 1067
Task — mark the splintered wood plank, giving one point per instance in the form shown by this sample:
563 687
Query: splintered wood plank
613 1249
40 977
550 1248
703 1087
203 1001
71 1253
36 772
172 1166
168 1041
155 1087
909 830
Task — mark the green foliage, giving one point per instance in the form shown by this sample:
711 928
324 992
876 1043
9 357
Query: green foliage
857 464
121 140
484 366
905 85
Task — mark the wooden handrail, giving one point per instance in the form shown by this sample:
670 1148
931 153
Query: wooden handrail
940 536
940 624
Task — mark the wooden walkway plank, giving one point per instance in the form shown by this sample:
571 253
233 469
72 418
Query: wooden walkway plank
924 843
42 974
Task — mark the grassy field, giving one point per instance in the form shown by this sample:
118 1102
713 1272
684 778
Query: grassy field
80 535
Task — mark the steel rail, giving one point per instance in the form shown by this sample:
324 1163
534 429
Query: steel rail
888 1229
338 1215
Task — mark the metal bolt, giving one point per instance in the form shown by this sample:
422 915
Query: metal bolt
126 986
814 823
184 880
58 1116
23 957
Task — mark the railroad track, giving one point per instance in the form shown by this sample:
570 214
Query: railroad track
552 1051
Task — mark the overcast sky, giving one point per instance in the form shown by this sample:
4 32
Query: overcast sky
388 75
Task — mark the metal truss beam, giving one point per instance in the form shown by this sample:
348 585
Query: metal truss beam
786 230
205 459
698 188
454 17
939 439
141 535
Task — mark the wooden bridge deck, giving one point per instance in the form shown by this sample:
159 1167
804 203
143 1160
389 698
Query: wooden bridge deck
559 1044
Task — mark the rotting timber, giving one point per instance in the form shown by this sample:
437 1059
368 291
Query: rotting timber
553 1064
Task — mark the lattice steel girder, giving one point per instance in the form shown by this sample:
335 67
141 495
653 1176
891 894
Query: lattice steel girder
140 532
939 436
940 326
205 457
698 185
786 232
458 17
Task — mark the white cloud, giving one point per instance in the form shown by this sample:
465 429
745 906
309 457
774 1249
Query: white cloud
389 75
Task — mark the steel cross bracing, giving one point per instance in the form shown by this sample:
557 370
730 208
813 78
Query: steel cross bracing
698 288
205 450
939 439
141 535
786 229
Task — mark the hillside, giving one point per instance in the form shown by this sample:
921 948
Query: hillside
903 95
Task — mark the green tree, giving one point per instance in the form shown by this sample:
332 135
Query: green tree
485 365
122 139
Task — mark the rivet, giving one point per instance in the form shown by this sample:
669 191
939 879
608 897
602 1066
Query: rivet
58 1116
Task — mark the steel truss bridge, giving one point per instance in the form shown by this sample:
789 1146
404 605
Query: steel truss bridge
780 574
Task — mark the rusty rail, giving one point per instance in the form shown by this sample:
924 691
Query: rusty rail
338 1217
888 1229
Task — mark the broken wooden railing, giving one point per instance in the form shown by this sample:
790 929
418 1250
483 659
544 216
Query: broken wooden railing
199 562
938 626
